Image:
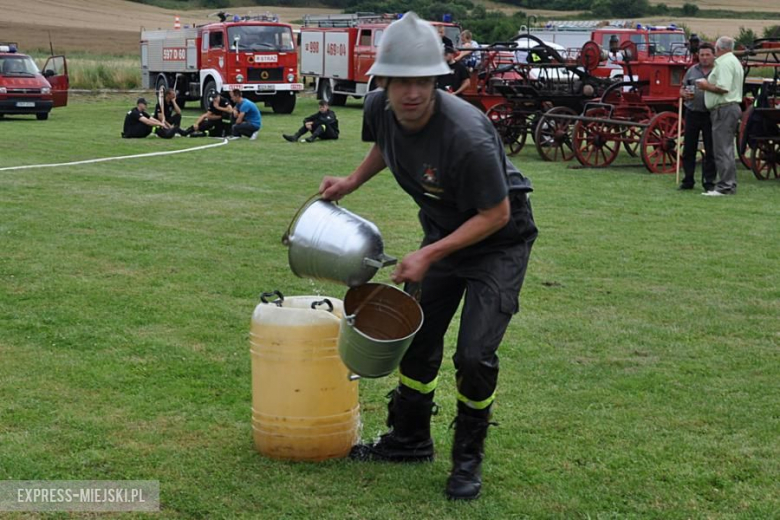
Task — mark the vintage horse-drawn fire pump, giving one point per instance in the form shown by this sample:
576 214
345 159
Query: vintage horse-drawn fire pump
515 94
639 113
759 132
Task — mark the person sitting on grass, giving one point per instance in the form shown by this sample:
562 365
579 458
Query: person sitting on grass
138 122
168 112
322 125
213 121
248 119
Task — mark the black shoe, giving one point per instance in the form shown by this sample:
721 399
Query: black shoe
683 187
310 139
409 438
290 138
197 134
389 448
468 451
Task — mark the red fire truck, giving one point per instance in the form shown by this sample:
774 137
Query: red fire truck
255 54
337 50
24 90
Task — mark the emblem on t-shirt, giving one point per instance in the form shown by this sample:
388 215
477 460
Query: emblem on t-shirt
430 179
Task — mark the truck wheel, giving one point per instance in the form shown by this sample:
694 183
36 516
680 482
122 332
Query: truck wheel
162 81
326 93
283 103
42 116
209 93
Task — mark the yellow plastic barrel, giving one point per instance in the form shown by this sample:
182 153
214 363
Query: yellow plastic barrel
304 406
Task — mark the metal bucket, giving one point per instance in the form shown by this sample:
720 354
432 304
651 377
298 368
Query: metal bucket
377 327
329 243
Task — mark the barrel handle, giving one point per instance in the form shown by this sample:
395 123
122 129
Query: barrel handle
278 301
351 319
382 260
326 301
353 377
286 236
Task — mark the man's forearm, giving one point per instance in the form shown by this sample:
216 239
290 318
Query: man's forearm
463 86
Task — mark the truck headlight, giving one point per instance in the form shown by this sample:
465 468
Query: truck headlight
45 90
290 78
240 78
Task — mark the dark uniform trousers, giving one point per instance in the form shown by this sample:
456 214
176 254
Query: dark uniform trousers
168 133
698 123
320 131
490 274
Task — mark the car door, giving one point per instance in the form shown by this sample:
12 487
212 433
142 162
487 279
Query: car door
56 73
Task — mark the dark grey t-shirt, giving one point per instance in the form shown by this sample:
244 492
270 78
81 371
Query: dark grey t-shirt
453 167
697 103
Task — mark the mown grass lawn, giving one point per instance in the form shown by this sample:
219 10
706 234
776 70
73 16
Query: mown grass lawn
640 380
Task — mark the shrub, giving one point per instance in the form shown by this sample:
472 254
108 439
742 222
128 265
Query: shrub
690 9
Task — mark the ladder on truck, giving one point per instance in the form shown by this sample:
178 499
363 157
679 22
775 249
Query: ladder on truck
345 20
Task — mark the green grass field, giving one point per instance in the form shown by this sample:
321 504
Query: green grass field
640 380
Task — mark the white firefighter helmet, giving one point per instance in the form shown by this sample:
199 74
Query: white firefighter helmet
410 48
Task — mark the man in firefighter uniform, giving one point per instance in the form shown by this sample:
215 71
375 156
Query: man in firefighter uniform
322 125
168 111
138 122
478 232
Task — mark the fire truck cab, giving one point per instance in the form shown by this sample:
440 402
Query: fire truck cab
337 51
25 90
256 55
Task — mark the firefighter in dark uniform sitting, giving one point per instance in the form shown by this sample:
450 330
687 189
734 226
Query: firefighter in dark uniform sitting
322 125
216 121
138 123
478 233
169 114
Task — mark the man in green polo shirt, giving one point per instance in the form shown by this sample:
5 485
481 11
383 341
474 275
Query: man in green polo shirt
722 97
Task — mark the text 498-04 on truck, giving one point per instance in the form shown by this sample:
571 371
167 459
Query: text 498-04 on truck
256 55
24 90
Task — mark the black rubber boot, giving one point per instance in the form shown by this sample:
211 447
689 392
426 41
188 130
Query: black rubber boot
468 451
409 438
294 138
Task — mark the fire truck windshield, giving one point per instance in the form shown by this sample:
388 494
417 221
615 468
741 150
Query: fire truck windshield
260 38
666 43
17 66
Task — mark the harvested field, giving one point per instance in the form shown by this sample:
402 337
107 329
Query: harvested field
714 27
105 27
727 5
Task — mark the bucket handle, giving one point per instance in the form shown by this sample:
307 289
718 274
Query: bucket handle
381 261
326 301
286 236
278 302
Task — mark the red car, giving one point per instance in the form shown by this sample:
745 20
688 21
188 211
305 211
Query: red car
25 90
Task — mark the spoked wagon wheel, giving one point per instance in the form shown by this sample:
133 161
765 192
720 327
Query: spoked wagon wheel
765 159
659 143
594 141
553 136
744 155
510 125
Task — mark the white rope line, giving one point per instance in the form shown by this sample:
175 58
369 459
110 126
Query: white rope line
118 158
